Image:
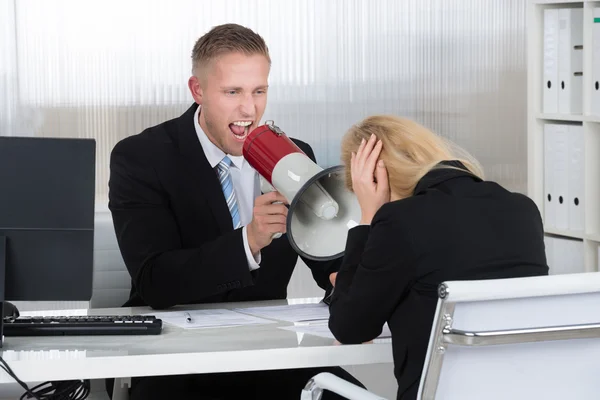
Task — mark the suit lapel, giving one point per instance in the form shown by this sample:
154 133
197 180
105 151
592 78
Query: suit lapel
204 178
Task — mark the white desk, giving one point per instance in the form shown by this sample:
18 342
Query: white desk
179 351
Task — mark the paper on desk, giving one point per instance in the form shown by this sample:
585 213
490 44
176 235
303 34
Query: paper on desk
322 330
208 318
291 313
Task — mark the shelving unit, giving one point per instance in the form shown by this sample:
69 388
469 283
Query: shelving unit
539 114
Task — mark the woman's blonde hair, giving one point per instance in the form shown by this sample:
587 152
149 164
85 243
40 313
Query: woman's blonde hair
409 151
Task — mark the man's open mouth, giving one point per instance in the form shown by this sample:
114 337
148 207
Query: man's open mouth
240 129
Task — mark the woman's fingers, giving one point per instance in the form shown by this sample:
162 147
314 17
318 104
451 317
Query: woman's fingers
383 185
364 150
353 170
371 161
359 152
363 155
368 148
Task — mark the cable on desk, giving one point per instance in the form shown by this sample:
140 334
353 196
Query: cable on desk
63 390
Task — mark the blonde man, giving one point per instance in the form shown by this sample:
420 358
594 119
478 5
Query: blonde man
190 220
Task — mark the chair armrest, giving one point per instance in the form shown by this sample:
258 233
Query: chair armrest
327 381
487 338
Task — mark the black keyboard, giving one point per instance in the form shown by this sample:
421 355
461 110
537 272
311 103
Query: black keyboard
83 325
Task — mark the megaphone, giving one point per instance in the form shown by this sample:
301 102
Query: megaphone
321 208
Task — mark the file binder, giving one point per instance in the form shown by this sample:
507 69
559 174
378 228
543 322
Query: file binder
549 247
564 177
573 256
550 198
561 175
595 104
576 181
570 61
564 256
556 176
550 84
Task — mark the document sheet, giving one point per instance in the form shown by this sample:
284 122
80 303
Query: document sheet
291 313
322 330
208 318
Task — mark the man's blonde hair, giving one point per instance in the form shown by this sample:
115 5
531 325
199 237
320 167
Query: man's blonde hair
224 39
409 151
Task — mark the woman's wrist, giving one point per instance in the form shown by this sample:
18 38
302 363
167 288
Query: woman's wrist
365 221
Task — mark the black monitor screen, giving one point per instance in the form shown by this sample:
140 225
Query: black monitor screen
47 194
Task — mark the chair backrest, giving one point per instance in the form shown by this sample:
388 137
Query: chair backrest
522 338
112 282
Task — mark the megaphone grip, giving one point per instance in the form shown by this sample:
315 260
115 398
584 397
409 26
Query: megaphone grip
278 234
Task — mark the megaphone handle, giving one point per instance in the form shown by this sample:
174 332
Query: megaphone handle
277 235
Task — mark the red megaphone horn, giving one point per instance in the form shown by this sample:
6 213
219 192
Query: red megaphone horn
321 209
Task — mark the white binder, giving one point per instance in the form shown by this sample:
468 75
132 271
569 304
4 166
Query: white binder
550 198
570 61
576 181
556 176
549 244
564 256
550 84
596 64
561 174
574 257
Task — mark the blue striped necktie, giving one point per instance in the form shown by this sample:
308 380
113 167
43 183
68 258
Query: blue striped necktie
228 190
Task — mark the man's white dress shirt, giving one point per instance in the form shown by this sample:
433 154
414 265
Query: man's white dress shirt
246 184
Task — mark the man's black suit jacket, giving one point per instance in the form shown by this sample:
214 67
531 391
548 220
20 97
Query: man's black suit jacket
174 228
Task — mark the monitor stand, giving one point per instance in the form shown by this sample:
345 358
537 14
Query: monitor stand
3 256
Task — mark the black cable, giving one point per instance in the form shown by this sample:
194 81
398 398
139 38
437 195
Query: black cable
10 372
62 390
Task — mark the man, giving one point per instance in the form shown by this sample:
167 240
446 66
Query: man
190 221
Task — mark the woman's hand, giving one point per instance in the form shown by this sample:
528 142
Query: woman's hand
332 278
369 178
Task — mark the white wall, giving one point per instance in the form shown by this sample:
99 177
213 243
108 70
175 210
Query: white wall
110 69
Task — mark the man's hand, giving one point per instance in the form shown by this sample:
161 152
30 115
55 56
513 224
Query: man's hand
267 219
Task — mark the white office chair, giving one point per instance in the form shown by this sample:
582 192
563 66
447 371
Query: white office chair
327 381
522 338
112 282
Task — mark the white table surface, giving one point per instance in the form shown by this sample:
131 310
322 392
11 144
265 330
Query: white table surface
179 351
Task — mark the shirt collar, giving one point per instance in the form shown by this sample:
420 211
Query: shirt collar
440 173
213 154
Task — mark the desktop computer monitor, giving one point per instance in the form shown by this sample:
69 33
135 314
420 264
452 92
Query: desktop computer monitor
47 195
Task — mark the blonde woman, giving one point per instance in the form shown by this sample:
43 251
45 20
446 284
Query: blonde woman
428 216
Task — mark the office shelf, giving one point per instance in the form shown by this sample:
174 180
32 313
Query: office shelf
595 237
565 233
589 122
562 117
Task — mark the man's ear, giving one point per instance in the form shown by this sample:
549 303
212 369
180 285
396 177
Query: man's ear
195 89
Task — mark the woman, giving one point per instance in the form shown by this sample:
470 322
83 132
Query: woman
428 216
